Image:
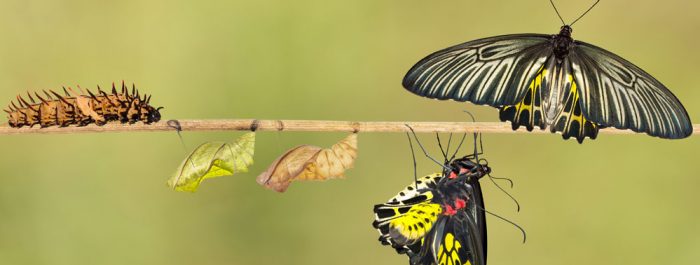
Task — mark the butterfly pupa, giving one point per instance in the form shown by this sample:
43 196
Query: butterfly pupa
212 160
307 162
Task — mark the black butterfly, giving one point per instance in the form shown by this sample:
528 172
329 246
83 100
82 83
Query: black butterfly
552 81
439 219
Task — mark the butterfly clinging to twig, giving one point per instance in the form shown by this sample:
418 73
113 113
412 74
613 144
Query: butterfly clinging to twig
440 218
552 81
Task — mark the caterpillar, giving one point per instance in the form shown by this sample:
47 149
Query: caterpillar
82 109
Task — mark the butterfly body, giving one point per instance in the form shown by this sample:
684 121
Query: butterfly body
562 42
551 81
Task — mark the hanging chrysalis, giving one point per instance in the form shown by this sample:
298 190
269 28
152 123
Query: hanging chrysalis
307 162
212 160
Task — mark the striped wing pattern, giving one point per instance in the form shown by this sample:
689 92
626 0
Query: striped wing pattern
499 71
616 93
493 71
528 112
571 121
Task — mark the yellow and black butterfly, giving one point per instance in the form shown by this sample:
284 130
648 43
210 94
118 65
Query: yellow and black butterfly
552 81
439 219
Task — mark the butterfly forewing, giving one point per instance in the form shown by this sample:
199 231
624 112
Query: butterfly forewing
493 71
476 210
616 93
404 220
426 182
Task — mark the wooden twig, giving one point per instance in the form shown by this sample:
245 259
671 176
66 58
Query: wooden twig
293 125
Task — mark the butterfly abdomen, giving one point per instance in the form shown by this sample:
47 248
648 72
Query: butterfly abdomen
552 100
571 121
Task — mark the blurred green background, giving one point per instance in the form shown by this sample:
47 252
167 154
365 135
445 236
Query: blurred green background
102 198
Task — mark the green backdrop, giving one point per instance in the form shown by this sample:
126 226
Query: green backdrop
102 198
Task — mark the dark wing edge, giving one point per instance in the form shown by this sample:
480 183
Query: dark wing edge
480 219
617 93
492 71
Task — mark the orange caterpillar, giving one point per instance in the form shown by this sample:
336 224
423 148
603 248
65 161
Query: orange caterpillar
82 109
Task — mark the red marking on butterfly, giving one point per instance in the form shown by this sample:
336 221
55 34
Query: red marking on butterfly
449 211
459 204
452 175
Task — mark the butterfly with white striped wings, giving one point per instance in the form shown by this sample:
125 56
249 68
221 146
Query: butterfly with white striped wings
552 81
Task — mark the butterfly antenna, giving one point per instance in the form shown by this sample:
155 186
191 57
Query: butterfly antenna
481 142
442 150
415 165
464 136
557 11
510 181
508 221
517 204
447 151
476 135
584 13
426 152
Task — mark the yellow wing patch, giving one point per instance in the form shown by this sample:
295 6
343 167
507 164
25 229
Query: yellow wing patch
571 121
404 223
448 254
528 112
412 226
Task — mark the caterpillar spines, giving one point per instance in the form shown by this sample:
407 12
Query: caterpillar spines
31 98
82 108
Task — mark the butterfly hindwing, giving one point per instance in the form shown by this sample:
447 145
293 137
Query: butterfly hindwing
571 121
455 240
527 112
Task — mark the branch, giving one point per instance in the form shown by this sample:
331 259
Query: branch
294 125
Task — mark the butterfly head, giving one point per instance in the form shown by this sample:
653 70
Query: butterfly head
566 31
465 166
